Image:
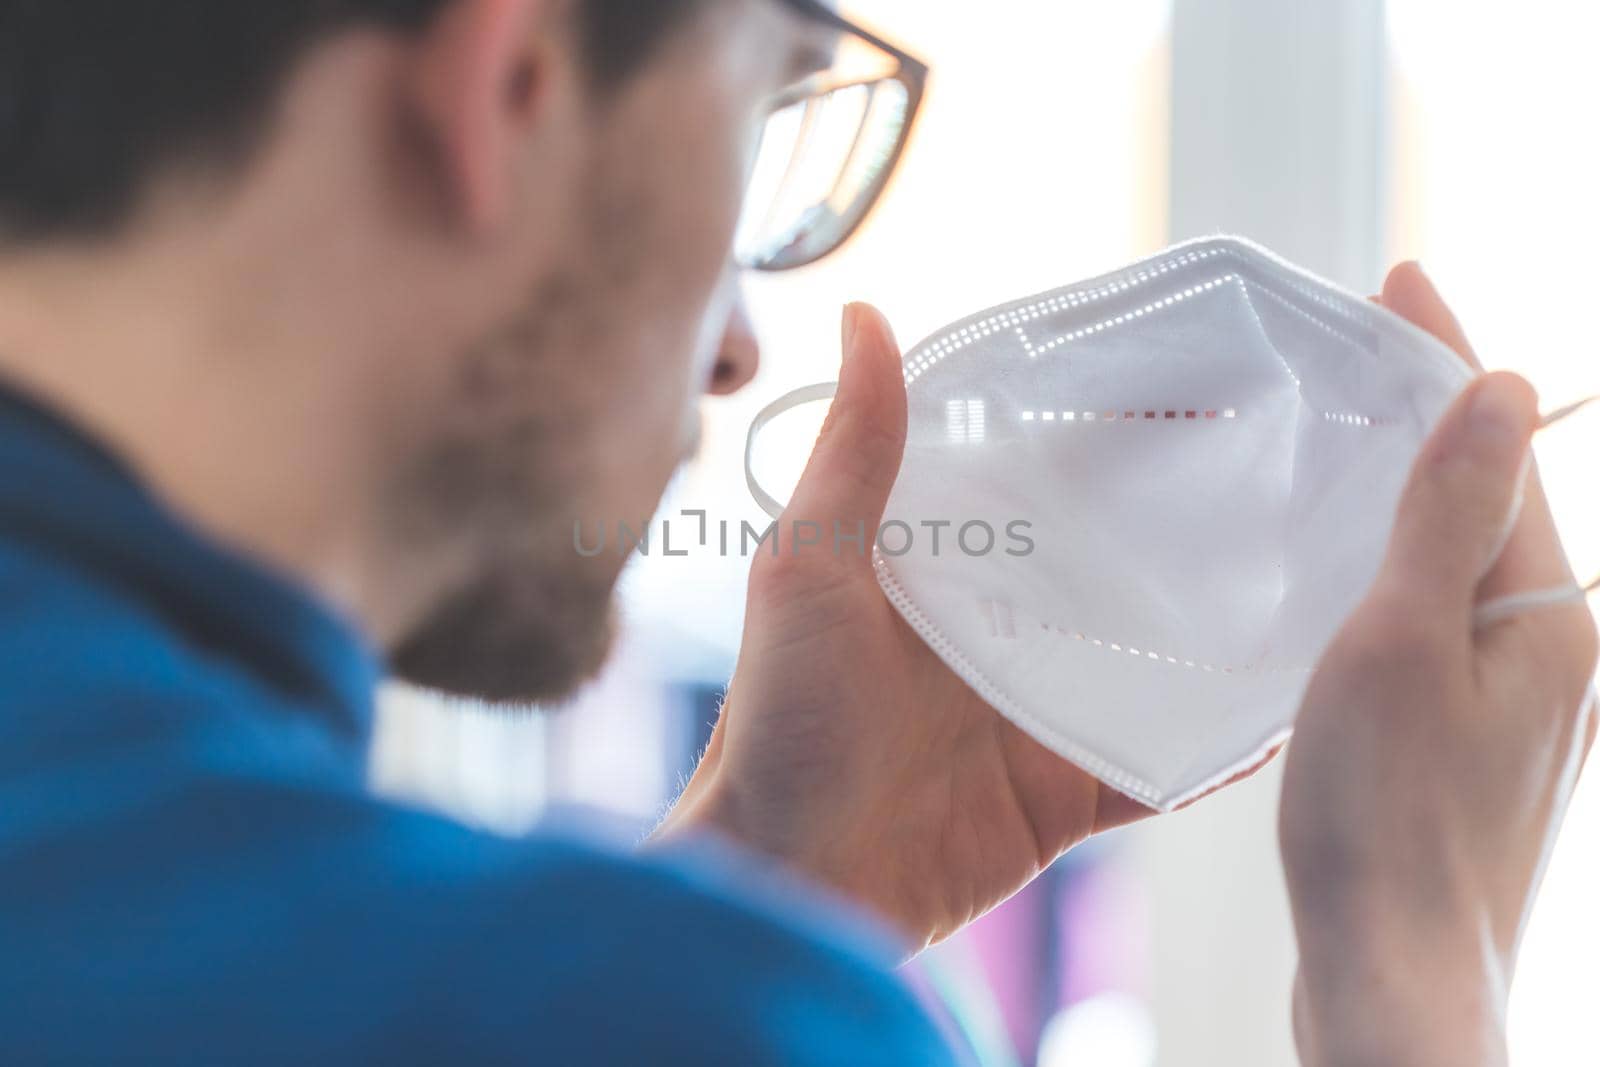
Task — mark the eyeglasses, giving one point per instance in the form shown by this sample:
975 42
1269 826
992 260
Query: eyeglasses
829 148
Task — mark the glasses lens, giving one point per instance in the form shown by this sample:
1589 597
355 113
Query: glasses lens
823 163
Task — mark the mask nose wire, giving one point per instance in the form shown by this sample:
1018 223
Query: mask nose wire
1500 609
809 394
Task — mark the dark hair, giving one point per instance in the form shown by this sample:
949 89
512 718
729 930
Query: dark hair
98 95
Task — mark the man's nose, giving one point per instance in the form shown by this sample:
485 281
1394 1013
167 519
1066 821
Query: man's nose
739 356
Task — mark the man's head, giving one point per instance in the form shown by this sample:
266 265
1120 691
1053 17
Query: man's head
100 95
423 282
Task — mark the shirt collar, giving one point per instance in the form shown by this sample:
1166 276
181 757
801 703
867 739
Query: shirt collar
63 492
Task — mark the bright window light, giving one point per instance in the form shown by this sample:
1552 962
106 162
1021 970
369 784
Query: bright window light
1498 167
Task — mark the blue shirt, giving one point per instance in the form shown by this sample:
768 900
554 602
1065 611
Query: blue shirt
192 869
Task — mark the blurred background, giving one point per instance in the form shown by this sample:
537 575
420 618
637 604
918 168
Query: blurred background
1061 140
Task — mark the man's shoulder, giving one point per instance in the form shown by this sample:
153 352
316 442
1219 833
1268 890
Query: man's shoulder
196 871
693 953
327 925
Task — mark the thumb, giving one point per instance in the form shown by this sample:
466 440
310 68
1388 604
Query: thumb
1455 512
857 456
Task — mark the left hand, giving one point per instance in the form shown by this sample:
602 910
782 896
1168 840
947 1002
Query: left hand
846 748
1434 758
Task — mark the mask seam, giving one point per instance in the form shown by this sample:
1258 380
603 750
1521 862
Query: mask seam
1124 781
1353 308
941 346
960 337
1188 294
1341 418
1162 657
1119 779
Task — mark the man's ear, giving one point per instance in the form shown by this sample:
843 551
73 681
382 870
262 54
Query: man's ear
482 69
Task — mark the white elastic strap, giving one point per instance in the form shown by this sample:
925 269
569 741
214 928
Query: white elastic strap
810 394
1520 496
1502 608
1571 409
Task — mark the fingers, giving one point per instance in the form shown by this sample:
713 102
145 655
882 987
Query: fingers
1115 810
1533 559
857 457
1453 515
1411 294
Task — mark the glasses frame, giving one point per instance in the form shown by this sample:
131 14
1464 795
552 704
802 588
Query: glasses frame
910 72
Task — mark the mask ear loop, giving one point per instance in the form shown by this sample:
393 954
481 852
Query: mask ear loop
1498 610
809 394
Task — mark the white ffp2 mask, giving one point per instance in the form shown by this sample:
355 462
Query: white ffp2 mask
1206 451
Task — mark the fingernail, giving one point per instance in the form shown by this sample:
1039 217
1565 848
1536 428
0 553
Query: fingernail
852 320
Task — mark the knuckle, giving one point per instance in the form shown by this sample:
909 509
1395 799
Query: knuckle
786 574
1560 651
1390 630
772 573
1572 645
1379 657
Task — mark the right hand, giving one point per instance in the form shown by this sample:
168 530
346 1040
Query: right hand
846 749
1433 762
